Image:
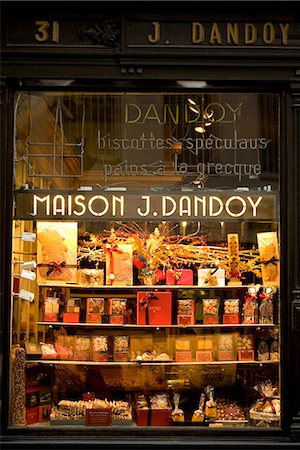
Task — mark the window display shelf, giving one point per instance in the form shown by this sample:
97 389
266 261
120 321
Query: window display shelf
122 326
139 286
148 363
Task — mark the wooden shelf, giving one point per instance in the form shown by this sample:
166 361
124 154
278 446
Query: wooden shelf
137 286
112 325
147 363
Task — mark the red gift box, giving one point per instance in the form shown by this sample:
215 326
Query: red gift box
226 355
204 356
180 277
50 317
184 356
121 356
210 319
246 355
117 320
44 412
32 415
153 417
231 318
154 308
32 396
71 317
186 320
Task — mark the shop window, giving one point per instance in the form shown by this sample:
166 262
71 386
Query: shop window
146 257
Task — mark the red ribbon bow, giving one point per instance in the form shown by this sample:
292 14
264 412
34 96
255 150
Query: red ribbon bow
176 274
110 248
144 301
55 267
236 274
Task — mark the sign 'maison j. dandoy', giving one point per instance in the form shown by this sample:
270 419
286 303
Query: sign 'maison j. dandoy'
102 205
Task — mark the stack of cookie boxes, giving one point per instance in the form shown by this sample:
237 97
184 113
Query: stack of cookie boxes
38 404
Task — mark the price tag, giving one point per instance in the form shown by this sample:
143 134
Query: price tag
28 265
26 295
28 275
29 237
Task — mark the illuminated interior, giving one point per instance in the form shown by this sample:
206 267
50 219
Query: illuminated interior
146 248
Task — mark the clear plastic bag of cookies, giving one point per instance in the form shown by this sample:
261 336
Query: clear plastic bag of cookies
185 307
211 306
245 342
121 343
226 342
117 306
198 414
263 353
232 306
177 414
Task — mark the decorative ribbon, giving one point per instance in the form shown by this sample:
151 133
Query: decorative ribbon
55 267
210 279
236 274
110 248
266 399
272 260
144 301
176 274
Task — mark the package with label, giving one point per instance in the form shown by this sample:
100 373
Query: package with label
181 277
51 309
250 306
121 348
263 353
82 348
154 308
274 350
211 310
177 414
198 414
226 347
186 312
119 265
95 309
117 310
72 310
154 410
211 277
99 348
160 409
48 351
183 350
267 406
44 412
210 405
231 312
64 346
57 251
266 307
33 350
90 277
269 257
205 346
245 347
